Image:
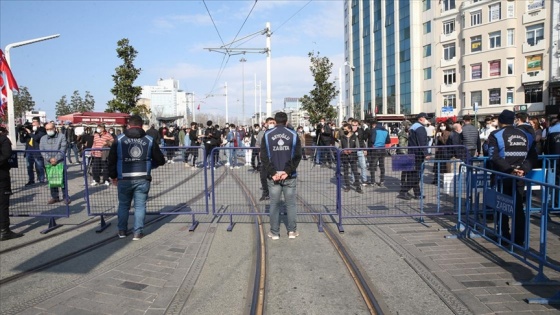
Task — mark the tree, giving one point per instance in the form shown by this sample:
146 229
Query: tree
23 102
317 104
76 102
125 93
62 107
89 103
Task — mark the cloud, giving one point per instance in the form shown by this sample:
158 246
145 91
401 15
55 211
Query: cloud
174 21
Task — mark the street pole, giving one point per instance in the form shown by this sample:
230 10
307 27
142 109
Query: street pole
243 60
193 107
268 75
260 102
339 97
227 117
255 97
10 94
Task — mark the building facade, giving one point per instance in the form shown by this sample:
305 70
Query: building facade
167 100
455 58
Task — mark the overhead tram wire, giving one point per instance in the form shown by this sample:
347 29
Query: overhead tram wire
298 11
248 15
212 19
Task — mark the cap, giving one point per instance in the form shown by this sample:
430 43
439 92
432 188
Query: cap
421 115
506 117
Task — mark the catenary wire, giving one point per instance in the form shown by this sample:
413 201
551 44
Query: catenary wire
215 26
298 11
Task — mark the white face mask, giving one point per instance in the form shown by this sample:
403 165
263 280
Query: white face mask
365 126
98 130
34 128
111 132
442 128
50 133
270 126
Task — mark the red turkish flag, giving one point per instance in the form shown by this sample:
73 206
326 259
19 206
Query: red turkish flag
198 108
5 69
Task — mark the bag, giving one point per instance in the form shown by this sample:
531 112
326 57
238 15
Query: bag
55 175
403 162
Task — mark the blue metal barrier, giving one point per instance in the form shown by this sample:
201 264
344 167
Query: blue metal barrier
488 217
30 192
176 187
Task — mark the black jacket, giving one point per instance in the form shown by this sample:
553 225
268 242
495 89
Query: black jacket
152 132
35 136
509 148
5 153
280 151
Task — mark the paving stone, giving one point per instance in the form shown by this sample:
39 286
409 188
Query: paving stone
473 284
154 282
89 305
133 285
495 298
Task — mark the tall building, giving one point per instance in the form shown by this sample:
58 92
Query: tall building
166 100
554 85
455 58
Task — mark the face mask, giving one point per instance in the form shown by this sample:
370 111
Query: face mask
257 129
442 128
346 132
365 126
227 126
98 130
270 126
50 133
34 128
322 123
111 132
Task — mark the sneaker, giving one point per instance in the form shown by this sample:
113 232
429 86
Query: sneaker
231 167
418 197
138 236
53 201
94 183
274 236
121 234
78 163
29 183
293 234
264 197
172 162
370 183
359 190
236 167
67 201
168 161
346 188
380 184
227 164
187 165
107 183
364 183
404 196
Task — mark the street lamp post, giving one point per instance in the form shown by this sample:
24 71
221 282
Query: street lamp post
10 94
243 60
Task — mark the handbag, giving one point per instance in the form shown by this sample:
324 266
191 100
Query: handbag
55 175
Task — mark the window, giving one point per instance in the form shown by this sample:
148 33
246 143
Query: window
476 71
449 76
427 50
404 55
476 18
476 99
427 73
535 34
448 27
494 68
510 9
449 51
476 43
494 97
533 93
426 5
494 12
510 66
448 5
427 27
510 37
449 101
427 96
509 95
495 39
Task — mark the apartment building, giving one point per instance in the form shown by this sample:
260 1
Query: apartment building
554 84
455 58
166 99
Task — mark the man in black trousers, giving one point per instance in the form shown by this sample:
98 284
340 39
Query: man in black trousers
5 187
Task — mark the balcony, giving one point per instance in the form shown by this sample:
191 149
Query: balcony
448 37
529 49
533 76
446 88
449 62
534 16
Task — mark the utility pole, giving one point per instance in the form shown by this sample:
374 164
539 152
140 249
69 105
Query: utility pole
243 60
268 75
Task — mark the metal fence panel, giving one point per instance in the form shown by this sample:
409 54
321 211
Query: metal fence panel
176 187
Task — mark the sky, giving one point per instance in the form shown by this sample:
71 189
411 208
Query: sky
170 37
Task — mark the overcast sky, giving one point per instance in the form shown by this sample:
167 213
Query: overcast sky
170 37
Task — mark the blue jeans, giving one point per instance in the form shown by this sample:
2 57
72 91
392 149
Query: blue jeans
72 147
288 188
232 158
35 159
129 190
363 167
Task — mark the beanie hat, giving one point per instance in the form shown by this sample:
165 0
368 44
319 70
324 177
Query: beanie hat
506 117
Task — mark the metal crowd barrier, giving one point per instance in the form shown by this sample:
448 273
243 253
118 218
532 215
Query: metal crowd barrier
409 189
316 185
176 187
31 200
484 216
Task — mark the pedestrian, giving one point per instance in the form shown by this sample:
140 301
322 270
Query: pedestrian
269 124
470 138
53 147
442 135
234 140
363 137
349 158
212 138
255 158
196 139
378 138
5 187
72 145
417 138
131 160
280 156
154 133
301 135
31 135
102 141
512 151
171 139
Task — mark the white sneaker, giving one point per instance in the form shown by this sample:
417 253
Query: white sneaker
231 167
247 164
293 234
168 161
172 162
227 164
94 183
273 236
107 183
236 167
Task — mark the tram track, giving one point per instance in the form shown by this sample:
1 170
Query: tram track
91 247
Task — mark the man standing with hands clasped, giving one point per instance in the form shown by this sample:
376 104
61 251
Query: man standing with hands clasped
131 160
280 156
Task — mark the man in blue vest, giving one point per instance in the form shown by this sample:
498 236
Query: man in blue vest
131 160
280 156
379 137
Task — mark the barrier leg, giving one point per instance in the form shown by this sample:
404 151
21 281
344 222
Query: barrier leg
194 224
102 225
231 224
320 223
555 299
52 226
